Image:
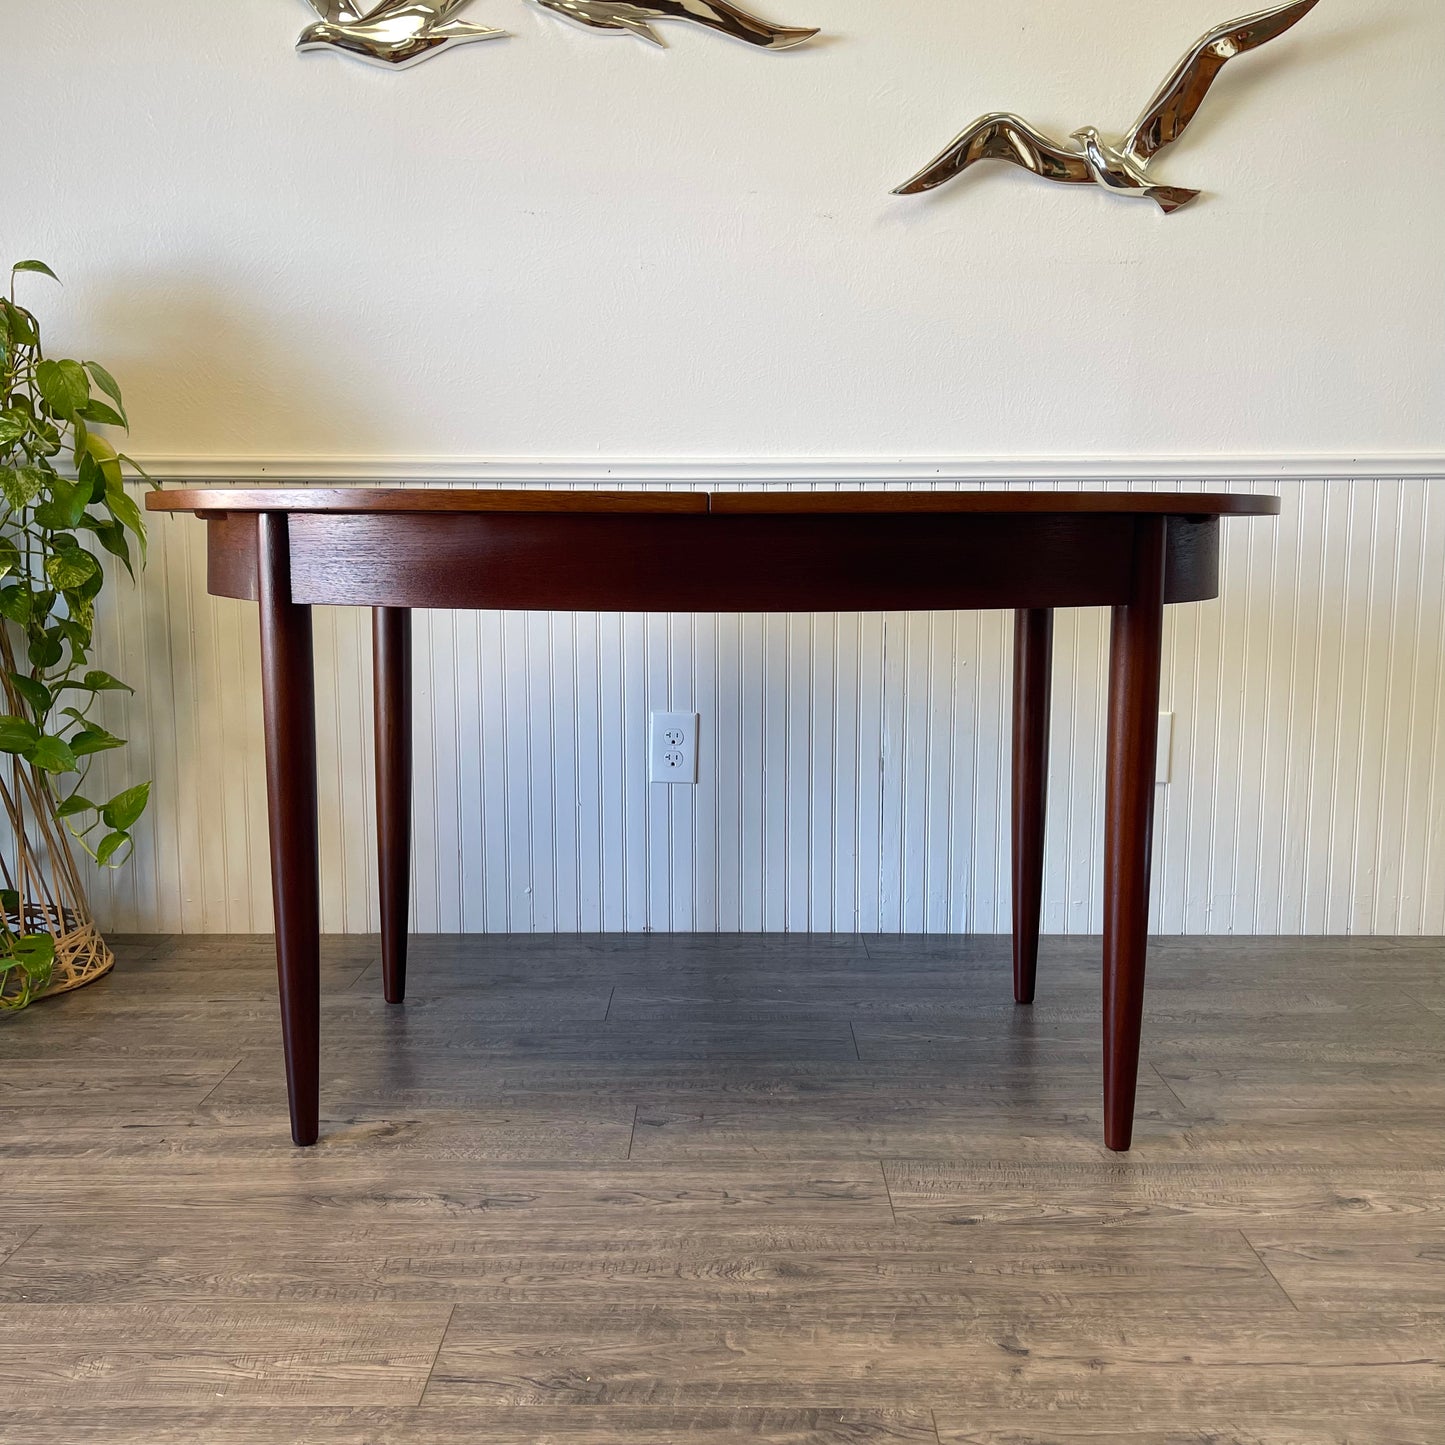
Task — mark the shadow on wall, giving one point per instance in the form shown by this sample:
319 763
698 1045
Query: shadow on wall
207 376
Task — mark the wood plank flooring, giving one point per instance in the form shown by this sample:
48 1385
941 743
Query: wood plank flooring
657 1190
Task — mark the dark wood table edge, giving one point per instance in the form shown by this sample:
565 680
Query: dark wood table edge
557 499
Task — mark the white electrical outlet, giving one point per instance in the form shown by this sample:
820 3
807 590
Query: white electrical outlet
1165 752
672 747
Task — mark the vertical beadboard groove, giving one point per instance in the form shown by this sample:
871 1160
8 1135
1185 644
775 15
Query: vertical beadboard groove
1421 505
853 769
1432 855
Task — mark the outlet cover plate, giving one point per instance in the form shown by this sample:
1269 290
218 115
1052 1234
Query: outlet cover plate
672 747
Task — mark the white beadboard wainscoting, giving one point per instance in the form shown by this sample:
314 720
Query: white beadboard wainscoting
854 769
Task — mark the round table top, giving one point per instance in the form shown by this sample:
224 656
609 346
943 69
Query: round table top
557 499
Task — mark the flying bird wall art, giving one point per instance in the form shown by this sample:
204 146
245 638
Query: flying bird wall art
400 33
1090 158
634 17
391 33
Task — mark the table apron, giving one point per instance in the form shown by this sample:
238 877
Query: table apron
713 563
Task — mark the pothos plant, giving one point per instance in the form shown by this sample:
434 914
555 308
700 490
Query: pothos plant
62 502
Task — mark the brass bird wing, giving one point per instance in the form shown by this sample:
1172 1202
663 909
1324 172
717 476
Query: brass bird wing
1001 138
1178 100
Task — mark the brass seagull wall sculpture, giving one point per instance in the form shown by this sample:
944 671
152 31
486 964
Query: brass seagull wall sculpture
1120 169
392 33
632 16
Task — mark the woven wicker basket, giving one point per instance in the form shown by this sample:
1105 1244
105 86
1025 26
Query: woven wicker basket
37 864
81 954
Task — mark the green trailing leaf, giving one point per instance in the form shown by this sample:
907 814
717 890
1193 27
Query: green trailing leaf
9 557
101 450
74 805
45 650
87 591
36 951
21 485
107 383
15 603
19 323
38 266
140 471
13 426
97 413
63 386
68 570
32 958
90 479
10 902
51 754
74 629
125 808
124 510
51 516
111 536
91 740
110 845
70 499
97 681
34 692
64 509
17 734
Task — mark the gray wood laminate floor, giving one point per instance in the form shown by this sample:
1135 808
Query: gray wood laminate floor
660 1190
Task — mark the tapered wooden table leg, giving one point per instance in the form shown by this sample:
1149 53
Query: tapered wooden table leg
1033 668
1134 660
288 692
391 636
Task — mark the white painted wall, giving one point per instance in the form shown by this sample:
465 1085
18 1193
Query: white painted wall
687 264
569 244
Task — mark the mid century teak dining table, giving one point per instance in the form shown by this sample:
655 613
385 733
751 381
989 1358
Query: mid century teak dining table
397 549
